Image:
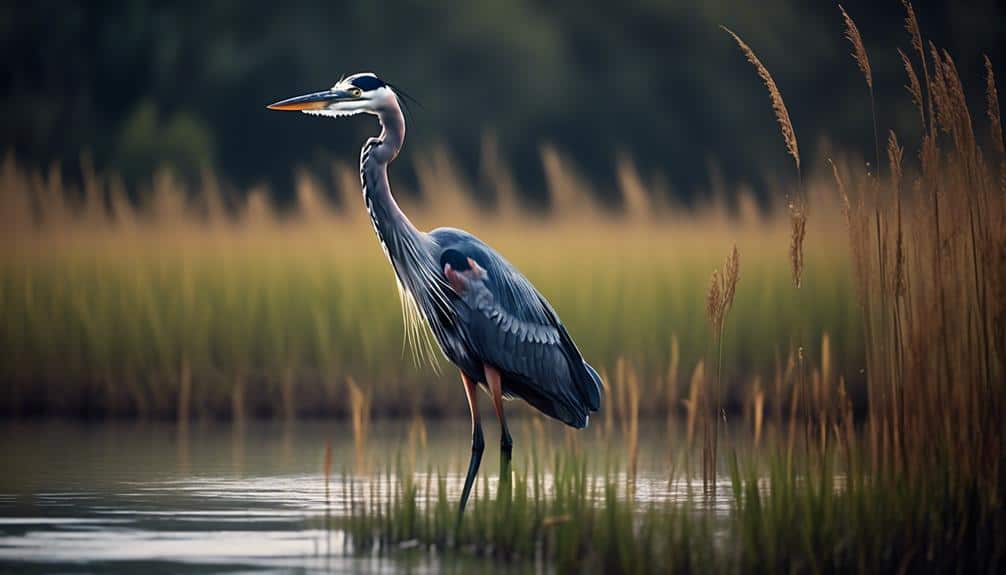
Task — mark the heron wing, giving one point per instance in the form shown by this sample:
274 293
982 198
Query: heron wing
517 331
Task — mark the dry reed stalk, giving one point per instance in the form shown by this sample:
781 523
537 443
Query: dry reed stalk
695 391
778 105
632 428
822 413
969 155
713 298
672 394
858 49
758 408
992 106
826 360
995 120
912 26
672 376
854 37
719 300
797 207
791 434
798 231
914 88
359 405
938 89
928 153
899 289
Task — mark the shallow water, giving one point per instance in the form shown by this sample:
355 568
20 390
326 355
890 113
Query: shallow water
118 497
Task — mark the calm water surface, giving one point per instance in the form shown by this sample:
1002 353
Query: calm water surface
126 497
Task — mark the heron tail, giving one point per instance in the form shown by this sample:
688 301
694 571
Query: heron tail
593 388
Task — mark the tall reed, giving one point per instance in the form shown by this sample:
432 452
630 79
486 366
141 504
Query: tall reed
934 229
719 300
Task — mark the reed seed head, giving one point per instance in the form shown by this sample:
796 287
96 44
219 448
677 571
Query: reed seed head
894 156
722 288
731 276
914 87
992 107
713 301
912 26
778 105
858 49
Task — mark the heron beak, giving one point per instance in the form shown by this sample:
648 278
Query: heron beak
314 101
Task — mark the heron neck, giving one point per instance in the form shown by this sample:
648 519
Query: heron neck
394 229
392 132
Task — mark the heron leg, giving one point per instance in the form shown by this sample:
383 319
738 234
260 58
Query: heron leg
478 443
506 442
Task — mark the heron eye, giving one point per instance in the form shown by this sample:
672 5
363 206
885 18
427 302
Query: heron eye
356 92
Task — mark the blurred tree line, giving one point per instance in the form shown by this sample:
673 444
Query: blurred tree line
143 83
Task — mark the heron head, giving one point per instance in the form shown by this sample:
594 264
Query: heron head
362 93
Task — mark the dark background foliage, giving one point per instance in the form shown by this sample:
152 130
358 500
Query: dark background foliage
139 84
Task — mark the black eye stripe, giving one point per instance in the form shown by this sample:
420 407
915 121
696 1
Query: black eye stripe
367 83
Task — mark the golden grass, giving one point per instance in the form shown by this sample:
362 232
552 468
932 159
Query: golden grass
929 319
194 303
927 252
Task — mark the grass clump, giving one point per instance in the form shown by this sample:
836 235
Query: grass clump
563 517
829 513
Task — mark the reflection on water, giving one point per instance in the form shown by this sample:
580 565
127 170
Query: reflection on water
119 497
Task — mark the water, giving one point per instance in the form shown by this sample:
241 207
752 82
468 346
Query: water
118 497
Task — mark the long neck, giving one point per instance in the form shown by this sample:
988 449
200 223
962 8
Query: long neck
393 228
423 291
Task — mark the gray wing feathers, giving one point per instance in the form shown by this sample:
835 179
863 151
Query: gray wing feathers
517 331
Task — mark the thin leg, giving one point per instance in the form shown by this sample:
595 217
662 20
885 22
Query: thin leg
478 443
506 442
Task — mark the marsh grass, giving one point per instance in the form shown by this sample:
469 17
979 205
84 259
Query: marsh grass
827 513
194 304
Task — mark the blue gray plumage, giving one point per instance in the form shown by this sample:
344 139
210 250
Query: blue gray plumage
505 322
483 313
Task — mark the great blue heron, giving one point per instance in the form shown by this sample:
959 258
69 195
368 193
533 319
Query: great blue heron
485 315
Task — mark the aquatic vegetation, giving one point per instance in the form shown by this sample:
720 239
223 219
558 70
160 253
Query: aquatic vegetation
827 512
